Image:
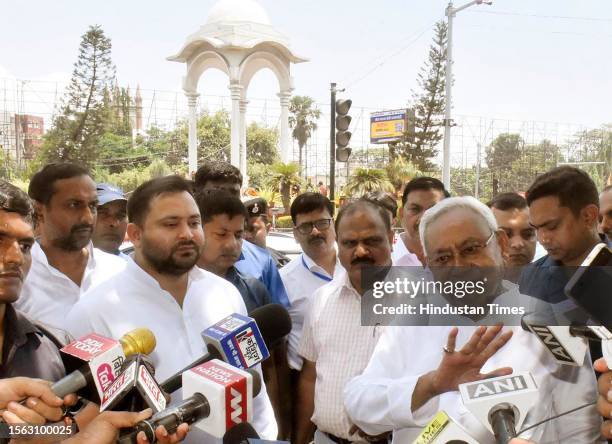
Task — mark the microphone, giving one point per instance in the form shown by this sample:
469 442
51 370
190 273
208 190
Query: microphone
229 389
442 429
269 325
135 388
93 361
568 345
501 404
240 434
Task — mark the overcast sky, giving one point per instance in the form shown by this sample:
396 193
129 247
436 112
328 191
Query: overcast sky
518 59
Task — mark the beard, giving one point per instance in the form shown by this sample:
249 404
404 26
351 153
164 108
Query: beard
76 240
170 262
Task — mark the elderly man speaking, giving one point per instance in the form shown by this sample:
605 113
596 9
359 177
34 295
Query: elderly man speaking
415 371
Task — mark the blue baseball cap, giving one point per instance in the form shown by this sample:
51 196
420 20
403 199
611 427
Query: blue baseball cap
109 193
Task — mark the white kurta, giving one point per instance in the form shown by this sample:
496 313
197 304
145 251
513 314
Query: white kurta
48 294
301 278
134 299
380 398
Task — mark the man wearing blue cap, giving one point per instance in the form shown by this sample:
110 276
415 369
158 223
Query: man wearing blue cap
111 224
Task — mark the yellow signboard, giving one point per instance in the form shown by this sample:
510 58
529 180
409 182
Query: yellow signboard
388 126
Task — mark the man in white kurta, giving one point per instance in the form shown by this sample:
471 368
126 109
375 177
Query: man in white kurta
414 371
160 289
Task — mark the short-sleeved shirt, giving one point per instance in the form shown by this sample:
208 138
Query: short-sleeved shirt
28 351
334 338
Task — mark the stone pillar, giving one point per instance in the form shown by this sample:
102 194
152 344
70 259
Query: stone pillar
285 97
192 99
243 143
236 92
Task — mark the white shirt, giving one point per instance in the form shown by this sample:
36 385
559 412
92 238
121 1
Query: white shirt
301 278
48 294
380 399
334 338
401 256
134 299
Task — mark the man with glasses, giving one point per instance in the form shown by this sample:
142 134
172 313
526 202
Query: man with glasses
415 371
312 216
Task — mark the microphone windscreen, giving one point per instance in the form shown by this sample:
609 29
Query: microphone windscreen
273 321
139 340
239 434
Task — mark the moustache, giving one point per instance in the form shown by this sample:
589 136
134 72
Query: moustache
81 227
186 244
314 239
363 260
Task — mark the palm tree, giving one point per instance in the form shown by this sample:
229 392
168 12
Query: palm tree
303 120
284 177
400 171
365 180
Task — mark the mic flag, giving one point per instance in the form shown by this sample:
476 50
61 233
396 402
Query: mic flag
238 340
134 390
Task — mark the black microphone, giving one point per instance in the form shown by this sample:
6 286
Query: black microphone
240 434
228 390
273 323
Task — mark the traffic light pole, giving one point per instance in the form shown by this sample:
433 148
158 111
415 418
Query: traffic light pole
332 145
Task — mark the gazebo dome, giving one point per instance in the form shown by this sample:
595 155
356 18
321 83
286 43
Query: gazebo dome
232 11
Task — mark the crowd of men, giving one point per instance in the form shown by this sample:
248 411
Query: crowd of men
198 254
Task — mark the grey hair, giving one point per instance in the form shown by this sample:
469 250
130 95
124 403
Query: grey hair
451 203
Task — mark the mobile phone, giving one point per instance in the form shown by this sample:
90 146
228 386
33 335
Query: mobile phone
591 285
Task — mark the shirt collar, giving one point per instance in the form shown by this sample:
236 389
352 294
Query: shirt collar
313 266
142 276
39 255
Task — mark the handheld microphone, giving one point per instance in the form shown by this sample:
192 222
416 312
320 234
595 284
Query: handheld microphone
228 389
93 361
240 434
227 339
443 430
568 344
501 404
244 433
135 388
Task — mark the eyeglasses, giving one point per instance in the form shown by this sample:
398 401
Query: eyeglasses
321 225
469 250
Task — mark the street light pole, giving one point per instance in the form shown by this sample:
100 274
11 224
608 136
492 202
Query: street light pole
450 14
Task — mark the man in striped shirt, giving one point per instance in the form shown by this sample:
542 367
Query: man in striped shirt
333 332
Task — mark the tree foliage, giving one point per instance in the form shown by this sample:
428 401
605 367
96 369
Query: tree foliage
429 104
303 119
83 116
364 180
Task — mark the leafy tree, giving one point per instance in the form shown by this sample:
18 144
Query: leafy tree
83 116
261 144
303 120
399 171
284 177
364 180
429 103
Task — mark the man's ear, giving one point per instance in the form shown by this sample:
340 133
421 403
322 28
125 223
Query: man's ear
503 242
134 232
38 212
590 215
